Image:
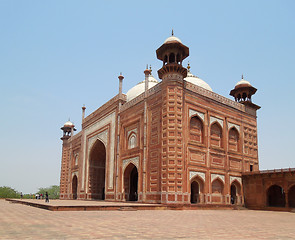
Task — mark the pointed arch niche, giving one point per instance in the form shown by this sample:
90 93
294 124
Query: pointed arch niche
217 188
233 139
216 134
97 169
196 126
131 182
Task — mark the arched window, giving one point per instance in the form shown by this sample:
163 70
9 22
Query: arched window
76 159
178 58
165 60
171 58
216 135
132 141
196 129
233 139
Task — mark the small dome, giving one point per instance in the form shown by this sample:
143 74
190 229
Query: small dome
140 87
69 124
243 83
172 39
197 81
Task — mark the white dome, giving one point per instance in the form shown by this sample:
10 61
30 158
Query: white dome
68 124
197 81
172 38
243 82
140 87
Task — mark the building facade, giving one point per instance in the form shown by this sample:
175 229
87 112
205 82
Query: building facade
170 141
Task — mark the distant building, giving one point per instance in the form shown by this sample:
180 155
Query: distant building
169 141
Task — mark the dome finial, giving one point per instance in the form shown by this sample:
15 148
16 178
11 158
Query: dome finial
150 67
242 76
172 32
188 66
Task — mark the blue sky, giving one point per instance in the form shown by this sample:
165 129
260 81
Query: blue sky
56 56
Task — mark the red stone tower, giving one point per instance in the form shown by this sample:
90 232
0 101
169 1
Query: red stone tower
173 186
68 130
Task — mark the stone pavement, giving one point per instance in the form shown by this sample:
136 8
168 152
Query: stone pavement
24 222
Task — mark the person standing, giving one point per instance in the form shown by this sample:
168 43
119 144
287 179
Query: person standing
46 197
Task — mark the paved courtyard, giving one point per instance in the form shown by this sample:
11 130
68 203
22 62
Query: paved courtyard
24 222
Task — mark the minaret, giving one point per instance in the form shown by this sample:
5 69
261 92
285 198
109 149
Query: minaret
83 112
120 84
173 179
243 92
68 130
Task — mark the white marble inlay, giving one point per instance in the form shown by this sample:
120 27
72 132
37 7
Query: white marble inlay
214 176
193 174
132 130
230 125
109 119
134 160
214 119
233 178
199 114
74 173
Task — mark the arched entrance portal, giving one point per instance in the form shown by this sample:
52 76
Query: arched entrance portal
197 186
131 183
291 197
276 196
235 193
97 165
74 187
195 190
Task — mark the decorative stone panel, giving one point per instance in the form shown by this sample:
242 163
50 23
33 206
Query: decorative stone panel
199 114
233 178
193 174
214 176
230 125
215 119
134 160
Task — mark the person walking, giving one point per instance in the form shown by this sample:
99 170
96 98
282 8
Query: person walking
46 197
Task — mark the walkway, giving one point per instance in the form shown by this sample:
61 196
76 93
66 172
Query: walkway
24 222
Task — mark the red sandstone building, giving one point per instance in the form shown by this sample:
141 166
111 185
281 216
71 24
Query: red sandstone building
168 141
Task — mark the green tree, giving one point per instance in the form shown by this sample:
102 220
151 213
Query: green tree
53 191
8 192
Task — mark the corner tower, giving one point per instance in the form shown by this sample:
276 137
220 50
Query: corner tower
173 184
68 131
172 53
